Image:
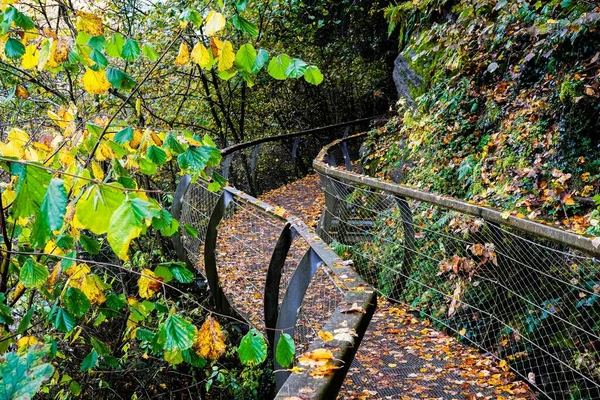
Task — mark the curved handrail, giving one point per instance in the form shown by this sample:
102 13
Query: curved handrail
570 239
281 318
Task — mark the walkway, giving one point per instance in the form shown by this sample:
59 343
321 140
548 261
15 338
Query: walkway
401 356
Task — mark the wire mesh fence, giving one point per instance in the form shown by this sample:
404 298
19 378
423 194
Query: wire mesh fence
527 301
246 239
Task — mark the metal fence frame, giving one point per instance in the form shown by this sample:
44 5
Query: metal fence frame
280 317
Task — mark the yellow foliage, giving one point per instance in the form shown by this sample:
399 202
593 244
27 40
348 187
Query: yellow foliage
183 57
148 284
215 21
227 57
89 23
201 55
210 341
326 336
14 147
27 341
81 279
95 82
30 58
97 171
21 92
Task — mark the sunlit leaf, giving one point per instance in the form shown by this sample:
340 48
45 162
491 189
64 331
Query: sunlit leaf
210 341
278 66
95 82
183 57
226 57
215 22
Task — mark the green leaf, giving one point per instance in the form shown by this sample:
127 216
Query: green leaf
125 225
191 15
178 333
97 42
76 302
22 376
164 272
156 155
90 361
63 320
31 189
195 159
95 208
313 75
244 25
25 321
253 348
165 222
119 79
190 230
65 242
296 68
5 311
33 274
245 58
261 59
101 347
172 144
181 273
114 47
124 135
99 58
144 335
190 357
89 244
131 50
150 52
285 350
115 301
52 213
21 20
278 66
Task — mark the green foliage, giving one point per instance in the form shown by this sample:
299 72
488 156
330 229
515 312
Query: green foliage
253 348
22 375
286 349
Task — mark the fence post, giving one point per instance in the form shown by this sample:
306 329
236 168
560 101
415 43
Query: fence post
292 301
176 207
409 241
210 258
272 285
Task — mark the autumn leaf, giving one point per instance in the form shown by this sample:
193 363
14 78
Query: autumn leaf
210 341
227 56
326 336
148 284
215 21
30 58
315 358
95 82
21 92
89 284
89 23
200 55
183 57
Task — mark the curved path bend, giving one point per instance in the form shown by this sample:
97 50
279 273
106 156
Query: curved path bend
401 356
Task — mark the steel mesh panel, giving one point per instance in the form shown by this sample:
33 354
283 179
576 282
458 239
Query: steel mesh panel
524 300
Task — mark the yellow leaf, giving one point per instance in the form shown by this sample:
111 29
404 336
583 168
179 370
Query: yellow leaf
19 136
148 284
59 52
315 358
89 284
63 117
227 57
30 58
95 82
215 21
210 341
104 152
27 341
89 23
215 46
296 370
97 171
183 57
54 275
201 55
326 336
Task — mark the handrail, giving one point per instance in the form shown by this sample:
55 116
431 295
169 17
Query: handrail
280 319
241 146
571 239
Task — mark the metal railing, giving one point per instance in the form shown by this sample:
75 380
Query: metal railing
524 292
291 281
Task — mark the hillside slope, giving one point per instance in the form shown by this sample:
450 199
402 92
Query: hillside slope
508 115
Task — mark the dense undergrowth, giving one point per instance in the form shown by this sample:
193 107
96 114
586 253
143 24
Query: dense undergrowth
508 114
